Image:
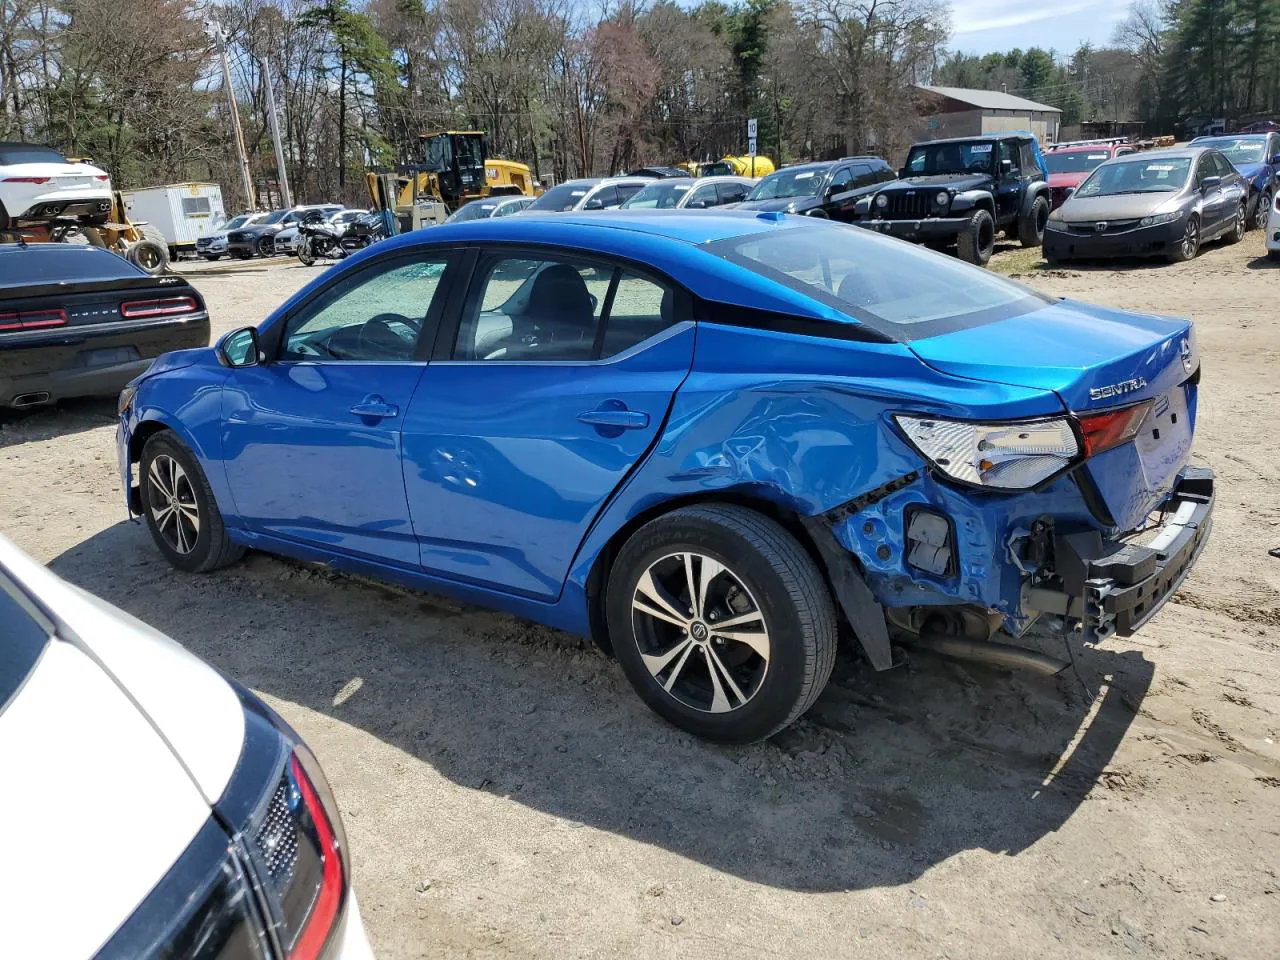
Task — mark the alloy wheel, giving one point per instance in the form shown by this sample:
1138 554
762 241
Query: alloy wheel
1261 212
700 632
172 501
1191 239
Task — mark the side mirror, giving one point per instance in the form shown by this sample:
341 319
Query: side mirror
1066 194
240 348
1210 183
902 173
595 203
696 205
1276 159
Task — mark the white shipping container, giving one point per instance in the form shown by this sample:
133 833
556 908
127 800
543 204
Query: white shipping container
181 212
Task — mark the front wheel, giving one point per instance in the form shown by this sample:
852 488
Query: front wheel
266 246
212 257
977 241
721 622
304 252
1188 246
1031 227
180 509
1238 226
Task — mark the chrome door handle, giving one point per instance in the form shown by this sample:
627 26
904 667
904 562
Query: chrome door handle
375 408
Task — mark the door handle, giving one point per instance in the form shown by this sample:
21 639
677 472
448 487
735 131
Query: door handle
375 407
622 419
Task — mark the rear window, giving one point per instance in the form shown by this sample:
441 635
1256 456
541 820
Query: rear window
904 291
62 263
29 153
24 633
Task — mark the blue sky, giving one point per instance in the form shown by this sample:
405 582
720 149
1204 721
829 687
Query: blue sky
986 26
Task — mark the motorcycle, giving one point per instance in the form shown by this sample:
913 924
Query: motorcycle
319 239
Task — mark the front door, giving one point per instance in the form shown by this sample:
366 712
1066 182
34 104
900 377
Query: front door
311 439
556 384
1009 182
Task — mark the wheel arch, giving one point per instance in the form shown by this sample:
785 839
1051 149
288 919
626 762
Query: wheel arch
762 500
1038 189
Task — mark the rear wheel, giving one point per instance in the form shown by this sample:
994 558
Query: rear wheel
211 257
1188 246
180 509
1031 227
721 622
977 240
1261 212
1241 223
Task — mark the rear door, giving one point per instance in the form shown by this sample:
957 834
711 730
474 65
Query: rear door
312 440
1212 203
554 386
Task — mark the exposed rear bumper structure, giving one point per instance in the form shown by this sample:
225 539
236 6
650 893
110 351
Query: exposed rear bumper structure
1114 587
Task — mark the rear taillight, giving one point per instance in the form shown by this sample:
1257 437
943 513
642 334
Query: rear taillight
32 320
164 307
1103 431
101 177
27 179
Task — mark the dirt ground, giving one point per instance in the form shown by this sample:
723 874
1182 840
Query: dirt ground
507 796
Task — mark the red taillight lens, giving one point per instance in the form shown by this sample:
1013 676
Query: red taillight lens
27 179
101 176
33 319
1103 431
319 923
166 307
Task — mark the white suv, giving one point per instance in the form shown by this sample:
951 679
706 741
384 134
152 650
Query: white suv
151 807
38 184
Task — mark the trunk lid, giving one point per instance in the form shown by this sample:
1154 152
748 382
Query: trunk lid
1094 359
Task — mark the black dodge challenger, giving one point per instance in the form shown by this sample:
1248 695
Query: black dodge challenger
80 321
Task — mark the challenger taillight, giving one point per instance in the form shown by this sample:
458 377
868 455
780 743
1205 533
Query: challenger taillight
162 307
32 320
1104 431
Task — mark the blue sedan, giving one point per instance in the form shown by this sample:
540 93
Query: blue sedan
705 440
1257 157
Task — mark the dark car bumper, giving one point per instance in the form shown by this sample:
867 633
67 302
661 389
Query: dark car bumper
91 361
1120 587
1139 242
929 228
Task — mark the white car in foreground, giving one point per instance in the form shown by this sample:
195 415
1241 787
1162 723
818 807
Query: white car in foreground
38 184
150 807
1273 229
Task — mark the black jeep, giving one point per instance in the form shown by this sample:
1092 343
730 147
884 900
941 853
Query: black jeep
962 191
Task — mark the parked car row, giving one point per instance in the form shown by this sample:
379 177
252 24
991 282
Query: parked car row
271 233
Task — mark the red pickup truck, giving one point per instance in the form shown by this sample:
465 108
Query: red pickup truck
1069 164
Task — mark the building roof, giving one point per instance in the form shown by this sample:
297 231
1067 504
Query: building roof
988 99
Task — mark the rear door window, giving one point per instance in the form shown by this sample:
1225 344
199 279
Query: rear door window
731 192
24 634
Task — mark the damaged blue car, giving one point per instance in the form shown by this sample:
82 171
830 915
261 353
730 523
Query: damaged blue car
710 441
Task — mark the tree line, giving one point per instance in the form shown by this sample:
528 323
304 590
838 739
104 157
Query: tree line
138 85
1172 64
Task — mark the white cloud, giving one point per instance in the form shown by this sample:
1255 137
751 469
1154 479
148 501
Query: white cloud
975 16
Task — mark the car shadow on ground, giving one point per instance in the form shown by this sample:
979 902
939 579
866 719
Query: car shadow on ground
1264 262
887 776
61 419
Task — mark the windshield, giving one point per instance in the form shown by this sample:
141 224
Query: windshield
26 634
476 210
874 278
234 222
931 159
563 197
1153 175
468 152
663 195
789 183
29 153
1077 161
275 216
1239 149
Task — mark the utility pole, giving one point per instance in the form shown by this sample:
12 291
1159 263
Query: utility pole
220 38
282 175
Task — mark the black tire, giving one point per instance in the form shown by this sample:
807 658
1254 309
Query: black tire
1261 211
210 548
304 252
776 575
211 257
265 246
1031 227
149 256
1235 233
977 240
1187 248
1273 255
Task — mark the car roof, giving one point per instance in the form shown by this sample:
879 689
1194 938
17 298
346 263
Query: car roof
614 181
991 137
1219 137
1082 147
811 165
1169 153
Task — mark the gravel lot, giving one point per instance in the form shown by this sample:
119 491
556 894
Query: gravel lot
507 796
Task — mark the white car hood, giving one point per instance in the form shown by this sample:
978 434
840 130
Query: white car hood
190 704
96 808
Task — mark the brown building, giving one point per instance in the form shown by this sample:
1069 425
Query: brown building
959 112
